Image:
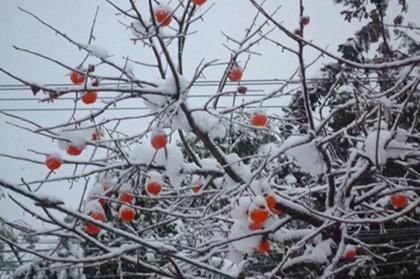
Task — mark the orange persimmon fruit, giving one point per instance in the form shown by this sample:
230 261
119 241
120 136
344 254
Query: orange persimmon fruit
127 214
92 228
399 200
74 150
199 2
163 16
159 140
258 215
259 120
263 246
77 78
53 161
89 97
153 188
235 73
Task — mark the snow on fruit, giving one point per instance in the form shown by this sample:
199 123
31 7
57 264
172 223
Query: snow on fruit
163 15
259 119
126 194
53 161
350 252
96 212
99 190
154 184
197 184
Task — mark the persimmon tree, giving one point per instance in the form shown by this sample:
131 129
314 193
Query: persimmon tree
228 192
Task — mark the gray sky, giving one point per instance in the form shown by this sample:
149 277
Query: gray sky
74 18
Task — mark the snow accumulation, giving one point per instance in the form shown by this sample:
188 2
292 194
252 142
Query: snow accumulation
24 270
306 155
290 179
260 186
126 188
239 167
210 163
155 102
154 176
245 245
240 211
96 191
77 137
285 235
318 254
210 123
49 199
228 266
93 206
171 158
349 247
388 145
97 51
258 202
164 248
76 250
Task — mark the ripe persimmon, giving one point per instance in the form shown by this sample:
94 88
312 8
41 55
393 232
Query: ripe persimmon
127 214
199 2
271 204
153 188
263 246
258 215
127 197
89 97
159 139
399 200
259 120
74 150
77 78
253 226
53 161
163 16
92 228
235 73
196 188
350 253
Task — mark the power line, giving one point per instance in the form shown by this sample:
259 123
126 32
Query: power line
115 109
207 82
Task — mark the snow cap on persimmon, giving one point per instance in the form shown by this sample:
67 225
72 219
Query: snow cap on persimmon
154 179
259 118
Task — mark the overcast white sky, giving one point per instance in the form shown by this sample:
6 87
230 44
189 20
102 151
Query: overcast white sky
327 28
